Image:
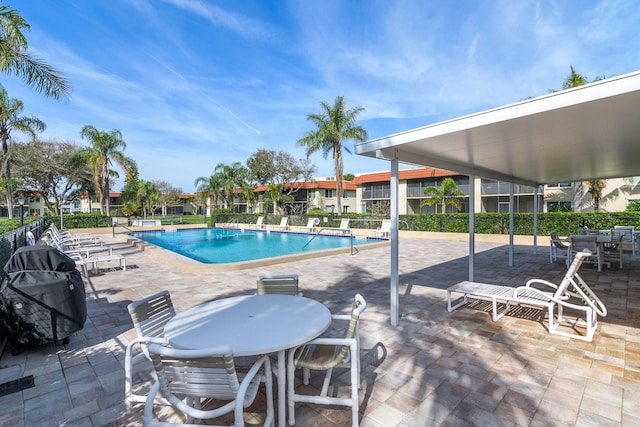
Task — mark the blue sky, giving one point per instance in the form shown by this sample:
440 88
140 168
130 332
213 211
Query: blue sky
194 83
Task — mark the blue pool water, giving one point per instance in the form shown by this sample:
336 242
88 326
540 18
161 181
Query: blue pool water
220 246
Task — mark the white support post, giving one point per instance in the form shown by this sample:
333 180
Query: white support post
535 220
472 225
511 208
394 297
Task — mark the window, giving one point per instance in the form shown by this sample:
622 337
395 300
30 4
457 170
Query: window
328 193
345 209
345 194
559 206
559 184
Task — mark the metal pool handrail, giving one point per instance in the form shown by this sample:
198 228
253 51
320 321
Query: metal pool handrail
354 250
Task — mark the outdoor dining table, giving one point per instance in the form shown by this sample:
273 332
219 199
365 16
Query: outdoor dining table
252 325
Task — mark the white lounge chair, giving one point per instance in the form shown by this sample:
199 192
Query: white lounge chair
93 260
312 225
344 226
260 223
384 230
572 293
284 224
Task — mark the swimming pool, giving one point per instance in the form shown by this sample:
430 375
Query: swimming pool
221 246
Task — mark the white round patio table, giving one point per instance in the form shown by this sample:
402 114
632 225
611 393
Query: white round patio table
251 325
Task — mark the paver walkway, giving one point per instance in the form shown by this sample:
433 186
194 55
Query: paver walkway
434 368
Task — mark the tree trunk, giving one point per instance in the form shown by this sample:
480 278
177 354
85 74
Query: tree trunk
337 156
5 172
577 196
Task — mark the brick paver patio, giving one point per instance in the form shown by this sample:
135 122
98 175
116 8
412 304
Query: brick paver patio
434 368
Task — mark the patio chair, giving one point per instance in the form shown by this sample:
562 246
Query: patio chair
325 354
48 239
344 226
558 248
284 224
312 225
204 384
627 235
84 261
589 242
572 293
612 251
384 230
149 316
286 284
73 238
260 222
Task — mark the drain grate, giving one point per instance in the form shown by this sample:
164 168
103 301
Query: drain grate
16 385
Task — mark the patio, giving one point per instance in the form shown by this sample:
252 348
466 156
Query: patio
434 368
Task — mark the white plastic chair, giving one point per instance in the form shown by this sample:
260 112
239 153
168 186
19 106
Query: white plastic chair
384 230
260 222
204 384
325 354
149 316
344 226
286 284
558 248
589 243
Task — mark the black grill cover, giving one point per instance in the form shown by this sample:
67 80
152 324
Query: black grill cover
42 297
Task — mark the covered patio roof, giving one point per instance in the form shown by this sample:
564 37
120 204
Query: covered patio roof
589 132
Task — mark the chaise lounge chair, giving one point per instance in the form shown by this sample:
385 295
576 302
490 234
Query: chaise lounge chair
284 224
260 223
572 293
384 230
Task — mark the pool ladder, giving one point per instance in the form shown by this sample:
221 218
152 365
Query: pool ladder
354 250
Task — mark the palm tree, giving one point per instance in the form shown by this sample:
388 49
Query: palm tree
106 147
275 196
140 194
16 59
447 194
333 125
596 187
231 178
210 188
11 120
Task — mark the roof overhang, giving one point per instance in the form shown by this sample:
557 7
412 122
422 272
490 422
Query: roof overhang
589 132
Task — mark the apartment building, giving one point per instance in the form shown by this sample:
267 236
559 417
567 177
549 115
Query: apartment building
371 193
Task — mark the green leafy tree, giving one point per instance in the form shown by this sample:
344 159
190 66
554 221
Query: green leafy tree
167 195
11 119
596 188
447 194
280 169
232 178
333 125
139 195
106 148
16 59
44 168
275 197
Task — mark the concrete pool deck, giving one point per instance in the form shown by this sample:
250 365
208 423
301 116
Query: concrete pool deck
434 368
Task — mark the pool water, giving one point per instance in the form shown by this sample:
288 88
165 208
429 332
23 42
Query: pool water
221 246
